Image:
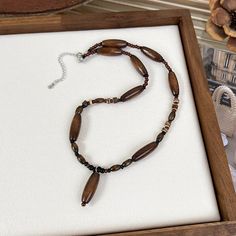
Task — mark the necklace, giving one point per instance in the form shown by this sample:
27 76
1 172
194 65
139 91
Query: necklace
114 47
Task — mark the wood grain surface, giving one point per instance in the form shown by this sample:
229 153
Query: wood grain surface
29 7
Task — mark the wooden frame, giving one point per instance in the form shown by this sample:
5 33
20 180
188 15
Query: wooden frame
226 197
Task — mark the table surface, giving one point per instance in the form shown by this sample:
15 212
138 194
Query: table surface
199 11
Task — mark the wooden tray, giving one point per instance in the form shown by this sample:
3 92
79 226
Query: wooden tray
29 7
224 190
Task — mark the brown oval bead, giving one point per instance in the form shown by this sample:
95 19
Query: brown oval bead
116 43
152 54
81 159
171 116
139 66
131 93
174 85
75 127
74 147
127 162
85 103
115 167
90 188
144 151
108 51
160 136
98 100
79 109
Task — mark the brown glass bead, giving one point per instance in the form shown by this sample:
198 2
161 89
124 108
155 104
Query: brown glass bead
75 127
79 109
116 43
108 51
174 85
152 54
160 136
115 167
171 116
131 93
74 147
127 162
90 188
144 151
139 66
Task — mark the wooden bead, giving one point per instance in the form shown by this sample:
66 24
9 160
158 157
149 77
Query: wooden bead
131 93
98 100
79 109
90 188
75 127
151 54
171 116
160 136
74 147
175 106
115 167
127 162
173 82
144 151
85 104
116 43
139 66
101 169
81 159
109 51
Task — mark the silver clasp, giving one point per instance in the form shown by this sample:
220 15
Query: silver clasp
79 57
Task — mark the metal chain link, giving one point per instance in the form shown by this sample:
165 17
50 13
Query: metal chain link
79 57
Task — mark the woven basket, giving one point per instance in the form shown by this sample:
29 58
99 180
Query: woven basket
226 115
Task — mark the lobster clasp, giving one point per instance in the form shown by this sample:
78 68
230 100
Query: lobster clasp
79 56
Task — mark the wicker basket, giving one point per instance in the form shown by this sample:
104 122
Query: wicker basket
226 115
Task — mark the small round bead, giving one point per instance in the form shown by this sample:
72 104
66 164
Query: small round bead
164 130
91 167
175 106
85 104
176 100
79 109
167 124
100 169
115 99
86 163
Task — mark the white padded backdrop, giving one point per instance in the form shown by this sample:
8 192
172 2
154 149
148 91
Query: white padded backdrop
41 181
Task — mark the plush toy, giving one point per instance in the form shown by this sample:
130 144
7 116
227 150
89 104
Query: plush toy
222 22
